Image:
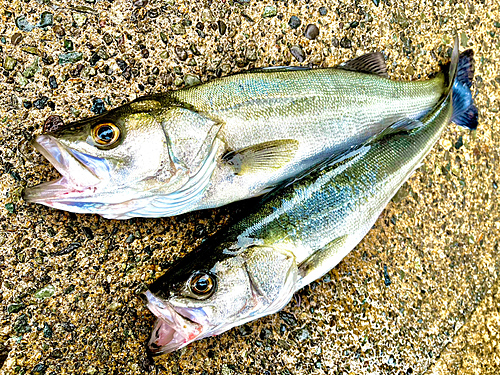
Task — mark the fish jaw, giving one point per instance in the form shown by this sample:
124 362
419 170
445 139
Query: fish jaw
79 169
81 174
172 330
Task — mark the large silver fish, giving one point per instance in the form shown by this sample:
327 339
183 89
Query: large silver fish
301 231
223 141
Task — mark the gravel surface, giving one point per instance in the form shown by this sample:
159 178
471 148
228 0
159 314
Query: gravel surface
420 284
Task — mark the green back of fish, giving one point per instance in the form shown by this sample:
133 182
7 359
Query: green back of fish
307 93
339 202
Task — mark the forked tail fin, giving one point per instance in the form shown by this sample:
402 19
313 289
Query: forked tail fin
464 111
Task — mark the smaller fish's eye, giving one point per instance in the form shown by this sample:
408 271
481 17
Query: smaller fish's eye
202 284
105 134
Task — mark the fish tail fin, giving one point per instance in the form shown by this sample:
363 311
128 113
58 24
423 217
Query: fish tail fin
459 73
464 111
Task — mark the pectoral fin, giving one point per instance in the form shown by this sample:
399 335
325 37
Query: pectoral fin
265 156
322 261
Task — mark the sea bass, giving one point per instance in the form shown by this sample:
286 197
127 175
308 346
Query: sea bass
229 139
301 231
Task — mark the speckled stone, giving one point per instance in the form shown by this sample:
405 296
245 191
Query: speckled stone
419 293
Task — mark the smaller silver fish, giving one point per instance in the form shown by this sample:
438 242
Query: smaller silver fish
301 231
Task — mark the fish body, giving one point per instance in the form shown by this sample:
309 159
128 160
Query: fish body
226 140
301 230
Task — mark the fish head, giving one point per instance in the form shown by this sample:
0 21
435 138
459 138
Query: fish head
198 299
122 155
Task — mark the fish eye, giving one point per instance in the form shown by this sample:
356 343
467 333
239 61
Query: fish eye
202 284
105 134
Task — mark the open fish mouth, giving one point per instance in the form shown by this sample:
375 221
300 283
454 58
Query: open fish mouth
172 330
81 173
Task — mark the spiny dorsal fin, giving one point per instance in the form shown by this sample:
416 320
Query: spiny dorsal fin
371 63
263 156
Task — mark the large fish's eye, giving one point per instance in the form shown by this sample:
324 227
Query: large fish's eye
105 134
202 284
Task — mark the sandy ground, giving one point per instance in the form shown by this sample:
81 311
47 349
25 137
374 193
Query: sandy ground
420 294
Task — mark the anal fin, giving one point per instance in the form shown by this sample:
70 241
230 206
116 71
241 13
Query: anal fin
266 156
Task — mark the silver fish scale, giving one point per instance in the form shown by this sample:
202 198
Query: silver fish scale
345 199
325 110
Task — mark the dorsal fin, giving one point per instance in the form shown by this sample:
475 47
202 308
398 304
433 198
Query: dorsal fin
371 63
268 69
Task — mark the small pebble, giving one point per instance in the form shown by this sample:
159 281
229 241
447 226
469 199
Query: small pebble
15 307
16 39
345 43
311 32
178 29
121 64
47 331
98 106
376 2
79 19
21 324
68 45
298 53
294 22
178 81
251 51
323 11
9 63
70 57
108 39
269 11
194 50
39 369
23 24
181 53
387 279
222 27
94 59
31 50
27 104
303 335
288 318
59 31
53 123
164 38
45 292
41 103
46 19
191 80
32 69
153 13
245 330
102 52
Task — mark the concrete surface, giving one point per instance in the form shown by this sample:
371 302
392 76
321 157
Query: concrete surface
419 295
